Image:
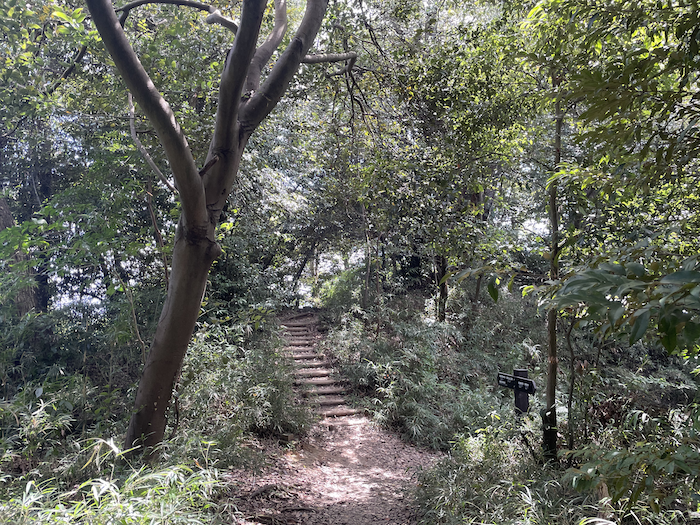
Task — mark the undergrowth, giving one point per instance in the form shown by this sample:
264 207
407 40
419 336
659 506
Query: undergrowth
58 467
416 377
112 491
635 456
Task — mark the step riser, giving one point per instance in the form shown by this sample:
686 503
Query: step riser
312 373
317 382
305 363
323 393
339 412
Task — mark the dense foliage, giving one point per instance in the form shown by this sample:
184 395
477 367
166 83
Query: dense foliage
409 191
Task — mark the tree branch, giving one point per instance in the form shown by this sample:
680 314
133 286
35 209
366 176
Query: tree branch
330 57
266 98
215 16
264 52
69 70
159 237
350 57
142 149
158 112
234 76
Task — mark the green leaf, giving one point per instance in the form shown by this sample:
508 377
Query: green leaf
691 332
493 289
614 268
635 268
669 339
682 277
641 323
615 313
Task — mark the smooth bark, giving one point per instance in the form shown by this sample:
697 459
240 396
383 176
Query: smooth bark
549 416
204 192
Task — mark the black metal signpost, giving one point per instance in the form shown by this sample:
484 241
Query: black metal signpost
523 388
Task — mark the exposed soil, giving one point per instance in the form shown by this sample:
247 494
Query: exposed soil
346 471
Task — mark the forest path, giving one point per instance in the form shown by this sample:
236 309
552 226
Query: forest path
346 471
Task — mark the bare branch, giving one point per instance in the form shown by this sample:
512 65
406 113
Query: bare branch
266 98
11 132
234 75
208 165
215 16
185 3
350 57
156 109
69 70
158 235
264 52
142 149
330 57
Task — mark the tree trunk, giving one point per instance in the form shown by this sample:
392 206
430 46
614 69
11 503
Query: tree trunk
549 414
25 298
441 266
191 264
203 193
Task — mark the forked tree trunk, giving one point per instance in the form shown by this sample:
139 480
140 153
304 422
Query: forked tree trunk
203 193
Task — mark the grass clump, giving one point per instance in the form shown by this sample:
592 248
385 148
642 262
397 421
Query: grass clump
492 476
412 377
114 492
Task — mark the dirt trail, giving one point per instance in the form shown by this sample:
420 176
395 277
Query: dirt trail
346 471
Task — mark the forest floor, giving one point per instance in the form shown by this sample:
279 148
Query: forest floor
345 471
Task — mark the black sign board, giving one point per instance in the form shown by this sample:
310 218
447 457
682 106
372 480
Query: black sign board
520 384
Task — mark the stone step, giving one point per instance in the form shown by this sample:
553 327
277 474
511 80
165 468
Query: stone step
306 356
298 321
313 372
317 381
339 411
328 400
319 372
333 423
308 363
324 390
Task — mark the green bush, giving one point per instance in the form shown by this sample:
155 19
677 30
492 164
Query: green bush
649 463
118 493
340 292
413 378
233 384
491 477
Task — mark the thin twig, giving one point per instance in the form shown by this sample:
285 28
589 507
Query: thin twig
571 385
68 71
215 16
159 237
134 321
142 149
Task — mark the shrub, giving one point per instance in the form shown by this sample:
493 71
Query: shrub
414 379
492 477
118 494
233 384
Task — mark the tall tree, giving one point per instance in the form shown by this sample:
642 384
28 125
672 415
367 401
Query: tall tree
244 101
